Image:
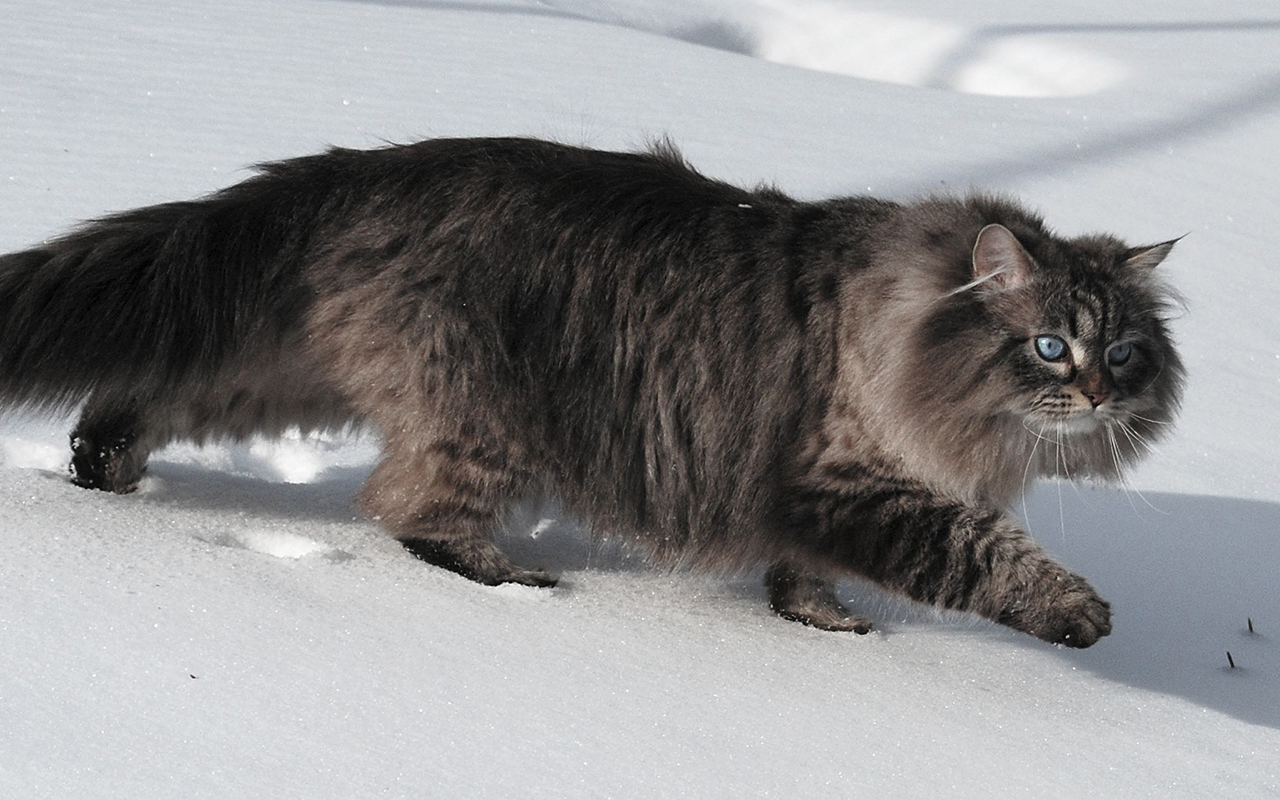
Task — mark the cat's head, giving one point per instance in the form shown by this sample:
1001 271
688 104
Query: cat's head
1029 353
1068 336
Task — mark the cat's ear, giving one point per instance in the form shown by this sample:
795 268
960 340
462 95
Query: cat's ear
999 258
1149 257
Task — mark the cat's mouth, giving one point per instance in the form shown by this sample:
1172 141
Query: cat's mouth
1079 421
1083 418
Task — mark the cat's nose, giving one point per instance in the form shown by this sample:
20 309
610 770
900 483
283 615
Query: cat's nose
1097 397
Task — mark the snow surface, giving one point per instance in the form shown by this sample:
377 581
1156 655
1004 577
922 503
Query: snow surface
235 629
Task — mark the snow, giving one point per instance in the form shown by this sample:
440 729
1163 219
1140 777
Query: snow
237 629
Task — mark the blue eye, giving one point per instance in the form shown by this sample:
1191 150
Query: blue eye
1118 354
1051 348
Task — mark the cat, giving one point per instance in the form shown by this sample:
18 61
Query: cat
726 377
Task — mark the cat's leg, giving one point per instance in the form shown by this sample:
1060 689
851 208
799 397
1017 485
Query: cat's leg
952 555
802 596
108 447
443 502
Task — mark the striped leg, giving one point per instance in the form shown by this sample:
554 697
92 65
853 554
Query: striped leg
948 554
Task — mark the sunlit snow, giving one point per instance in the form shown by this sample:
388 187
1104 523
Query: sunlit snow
237 629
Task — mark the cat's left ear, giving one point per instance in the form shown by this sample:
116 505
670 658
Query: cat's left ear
1150 256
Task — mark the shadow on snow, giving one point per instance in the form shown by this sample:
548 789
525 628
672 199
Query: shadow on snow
1184 574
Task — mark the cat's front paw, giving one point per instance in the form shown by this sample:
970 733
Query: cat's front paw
1062 608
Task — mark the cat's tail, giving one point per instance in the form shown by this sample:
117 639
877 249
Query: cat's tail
148 300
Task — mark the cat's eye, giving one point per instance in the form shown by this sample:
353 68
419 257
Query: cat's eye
1050 348
1119 353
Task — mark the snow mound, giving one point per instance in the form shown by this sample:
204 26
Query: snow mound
295 458
1008 60
280 544
915 51
24 453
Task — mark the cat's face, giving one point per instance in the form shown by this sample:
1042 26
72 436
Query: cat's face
1090 361
1086 347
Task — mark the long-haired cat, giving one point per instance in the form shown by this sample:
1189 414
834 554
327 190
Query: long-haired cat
728 377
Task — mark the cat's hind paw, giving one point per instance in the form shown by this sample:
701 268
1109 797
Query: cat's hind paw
802 597
479 561
827 619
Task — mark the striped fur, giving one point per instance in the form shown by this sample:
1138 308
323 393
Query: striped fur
728 377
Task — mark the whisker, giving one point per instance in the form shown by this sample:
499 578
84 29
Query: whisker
973 284
1153 380
1138 439
1129 433
1026 471
1115 456
1148 419
1062 517
1039 436
1135 441
1063 441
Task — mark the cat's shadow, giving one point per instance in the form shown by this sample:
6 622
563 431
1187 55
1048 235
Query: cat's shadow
536 534
1185 574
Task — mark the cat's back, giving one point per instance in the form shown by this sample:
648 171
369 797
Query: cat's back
562 172
511 249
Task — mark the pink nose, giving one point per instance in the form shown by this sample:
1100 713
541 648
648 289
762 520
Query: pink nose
1096 398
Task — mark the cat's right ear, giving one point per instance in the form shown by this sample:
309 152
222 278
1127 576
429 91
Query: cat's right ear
1000 259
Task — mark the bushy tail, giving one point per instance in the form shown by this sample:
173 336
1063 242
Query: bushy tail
151 299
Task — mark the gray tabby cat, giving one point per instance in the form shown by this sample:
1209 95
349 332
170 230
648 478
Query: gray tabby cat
728 377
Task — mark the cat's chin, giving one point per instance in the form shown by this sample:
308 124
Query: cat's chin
1072 425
